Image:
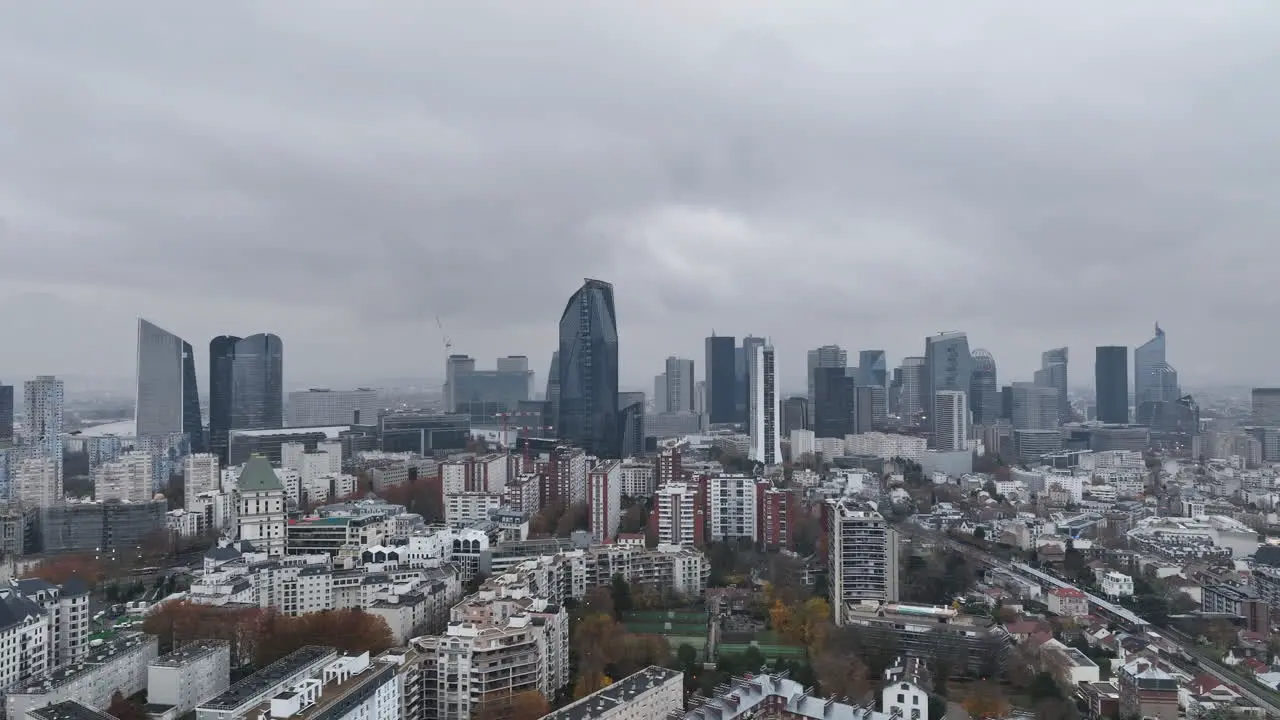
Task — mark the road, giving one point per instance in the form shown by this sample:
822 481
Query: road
1265 699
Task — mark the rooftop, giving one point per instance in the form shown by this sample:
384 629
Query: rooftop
68 710
111 650
625 690
191 652
330 431
277 672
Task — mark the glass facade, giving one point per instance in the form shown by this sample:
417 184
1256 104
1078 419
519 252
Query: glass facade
159 408
873 369
984 392
246 387
721 379
222 353
948 366
588 371
1147 357
1111 383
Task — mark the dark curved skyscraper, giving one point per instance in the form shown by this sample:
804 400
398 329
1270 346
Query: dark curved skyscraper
588 371
984 391
246 386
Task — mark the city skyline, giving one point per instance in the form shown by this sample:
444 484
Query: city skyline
349 208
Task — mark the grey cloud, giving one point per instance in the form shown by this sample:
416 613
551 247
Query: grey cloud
852 172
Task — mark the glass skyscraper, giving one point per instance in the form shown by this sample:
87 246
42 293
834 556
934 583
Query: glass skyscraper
588 371
1147 358
721 376
984 390
872 368
1111 383
947 366
246 386
168 401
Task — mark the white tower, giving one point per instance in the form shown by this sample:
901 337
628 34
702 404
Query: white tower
766 409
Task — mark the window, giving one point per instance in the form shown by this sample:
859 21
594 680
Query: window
901 698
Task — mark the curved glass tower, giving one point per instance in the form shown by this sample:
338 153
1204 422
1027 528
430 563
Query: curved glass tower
1147 357
246 387
168 401
984 391
588 371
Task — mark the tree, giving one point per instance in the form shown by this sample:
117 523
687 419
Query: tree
980 533
123 708
589 683
621 594
985 701
634 519
577 517
498 705
1044 687
62 568
686 655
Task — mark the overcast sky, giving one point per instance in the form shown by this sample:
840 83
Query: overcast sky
340 173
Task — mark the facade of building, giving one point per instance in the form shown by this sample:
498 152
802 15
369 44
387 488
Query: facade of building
912 397
128 478
1111 383
119 665
322 406
766 409
950 420
1053 373
679 515
948 366
984 389
180 681
604 500
827 356
650 694
833 402
246 386
1035 407
720 378
588 371
168 400
35 482
862 557
731 507
1148 359
261 517
6 413
43 401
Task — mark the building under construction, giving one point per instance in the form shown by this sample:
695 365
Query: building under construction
948 640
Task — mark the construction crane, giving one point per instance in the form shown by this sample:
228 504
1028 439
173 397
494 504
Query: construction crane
444 367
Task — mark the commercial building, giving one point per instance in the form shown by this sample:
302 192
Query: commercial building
486 394
1029 445
588 371
912 395
167 400
974 644
650 694
246 387
423 433
109 527
1035 407
322 406
186 677
720 378
984 390
829 357
6 412
862 557
833 402
333 535
1053 373
948 366
1111 383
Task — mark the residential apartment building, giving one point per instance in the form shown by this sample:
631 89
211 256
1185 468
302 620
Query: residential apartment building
261 512
604 500
188 676
200 474
126 479
66 607
679 516
638 479
731 507
652 693
862 557
118 665
23 624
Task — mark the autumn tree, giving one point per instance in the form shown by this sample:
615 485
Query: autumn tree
527 705
634 519
590 682
348 630
123 708
62 568
984 700
576 517
543 523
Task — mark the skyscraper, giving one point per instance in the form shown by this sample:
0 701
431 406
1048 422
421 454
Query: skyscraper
455 365
827 356
948 365
6 412
1111 383
915 384
1146 358
984 391
720 375
168 401
834 396
552 396
246 387
766 408
43 401
680 385
862 557
872 368
1035 407
950 420
631 421
743 360
1053 373
588 408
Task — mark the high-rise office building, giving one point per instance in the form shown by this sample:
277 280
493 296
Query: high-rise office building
1111 383
1053 373
168 401
720 376
552 395
322 406
950 420
1147 357
486 394
827 356
949 365
835 401
1266 407
870 408
862 557
631 414
43 402
246 387
766 409
743 365
680 385
588 403
872 368
6 412
1035 406
915 383
795 414
455 365
984 391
